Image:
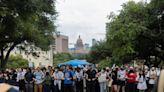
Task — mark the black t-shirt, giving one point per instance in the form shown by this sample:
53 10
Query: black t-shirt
29 77
91 74
14 77
114 77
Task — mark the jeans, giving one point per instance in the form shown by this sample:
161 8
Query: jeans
46 88
103 86
91 86
29 87
56 88
79 86
68 88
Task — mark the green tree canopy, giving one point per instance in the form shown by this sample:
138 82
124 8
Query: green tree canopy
25 22
137 32
123 28
99 51
61 58
16 61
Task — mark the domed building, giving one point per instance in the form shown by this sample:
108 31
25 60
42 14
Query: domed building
79 43
79 47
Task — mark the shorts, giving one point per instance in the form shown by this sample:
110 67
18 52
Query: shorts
121 83
21 85
115 82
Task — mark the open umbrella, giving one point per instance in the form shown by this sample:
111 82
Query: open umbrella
75 62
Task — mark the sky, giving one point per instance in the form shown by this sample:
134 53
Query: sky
86 18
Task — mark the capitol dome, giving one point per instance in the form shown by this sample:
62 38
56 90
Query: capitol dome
79 43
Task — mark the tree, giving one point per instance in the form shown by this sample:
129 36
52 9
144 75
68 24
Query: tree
123 29
137 32
99 51
25 22
16 61
61 58
105 63
151 42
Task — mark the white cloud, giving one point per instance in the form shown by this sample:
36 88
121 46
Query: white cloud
85 17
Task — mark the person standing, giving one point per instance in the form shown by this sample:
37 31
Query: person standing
91 79
84 79
153 79
79 79
51 71
20 80
131 81
47 82
102 78
29 81
97 86
121 74
68 79
114 80
109 79
109 83
147 75
58 77
39 76
141 79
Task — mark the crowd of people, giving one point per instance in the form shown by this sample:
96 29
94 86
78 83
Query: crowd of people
87 78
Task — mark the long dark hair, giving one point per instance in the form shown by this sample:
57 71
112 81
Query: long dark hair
143 73
131 71
47 73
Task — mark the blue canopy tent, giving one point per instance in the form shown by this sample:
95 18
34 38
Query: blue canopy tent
75 62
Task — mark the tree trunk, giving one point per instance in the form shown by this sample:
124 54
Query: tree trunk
3 59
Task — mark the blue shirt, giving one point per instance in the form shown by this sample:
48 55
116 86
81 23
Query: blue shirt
67 75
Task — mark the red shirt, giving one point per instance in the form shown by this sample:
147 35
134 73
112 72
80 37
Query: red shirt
131 77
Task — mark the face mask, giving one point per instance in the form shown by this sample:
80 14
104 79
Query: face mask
56 70
24 70
78 71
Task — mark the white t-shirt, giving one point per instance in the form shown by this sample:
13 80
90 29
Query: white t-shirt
20 75
39 75
58 75
102 77
122 74
79 75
